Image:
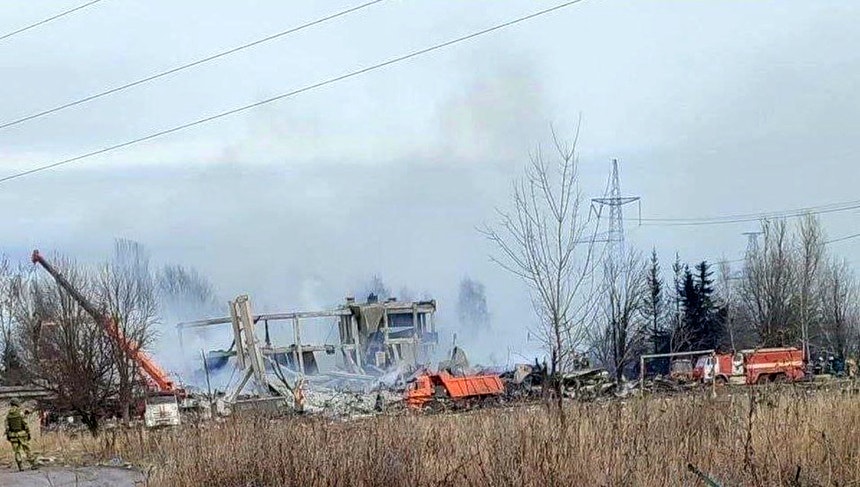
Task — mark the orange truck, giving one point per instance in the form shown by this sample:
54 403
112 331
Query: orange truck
440 388
752 366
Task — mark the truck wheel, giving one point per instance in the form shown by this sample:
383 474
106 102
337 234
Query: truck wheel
780 378
762 379
721 380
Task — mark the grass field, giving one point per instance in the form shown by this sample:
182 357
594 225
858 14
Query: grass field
761 437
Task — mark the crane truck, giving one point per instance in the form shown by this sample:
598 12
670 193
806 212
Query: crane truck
162 407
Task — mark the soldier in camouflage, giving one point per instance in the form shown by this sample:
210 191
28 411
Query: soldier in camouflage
18 434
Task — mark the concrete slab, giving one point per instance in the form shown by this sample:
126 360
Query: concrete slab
69 477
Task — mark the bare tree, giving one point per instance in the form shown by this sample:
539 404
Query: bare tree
126 289
472 309
738 331
548 241
86 361
376 287
623 336
840 309
405 294
768 287
184 294
62 349
9 356
725 289
176 282
811 252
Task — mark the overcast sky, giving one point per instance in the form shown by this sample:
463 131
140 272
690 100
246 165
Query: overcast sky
714 108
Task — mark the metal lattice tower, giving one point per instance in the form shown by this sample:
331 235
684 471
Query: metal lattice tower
615 202
614 259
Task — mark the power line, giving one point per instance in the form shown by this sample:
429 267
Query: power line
842 239
833 207
183 67
49 19
757 214
826 242
751 217
291 93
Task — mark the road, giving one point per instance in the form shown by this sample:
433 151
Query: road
69 477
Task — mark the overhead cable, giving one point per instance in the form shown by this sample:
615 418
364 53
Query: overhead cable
826 242
292 93
752 217
49 19
185 66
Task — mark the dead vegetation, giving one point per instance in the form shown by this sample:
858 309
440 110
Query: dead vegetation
787 438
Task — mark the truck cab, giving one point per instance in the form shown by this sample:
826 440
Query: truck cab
161 410
722 367
704 369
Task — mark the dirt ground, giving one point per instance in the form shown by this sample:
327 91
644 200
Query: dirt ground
71 476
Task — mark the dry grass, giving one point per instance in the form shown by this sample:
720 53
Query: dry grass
74 449
790 438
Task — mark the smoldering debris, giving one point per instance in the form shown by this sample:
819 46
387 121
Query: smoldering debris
379 364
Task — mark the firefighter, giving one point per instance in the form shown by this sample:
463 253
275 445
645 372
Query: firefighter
851 367
18 434
299 396
378 406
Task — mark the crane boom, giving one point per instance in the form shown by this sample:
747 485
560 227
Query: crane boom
156 375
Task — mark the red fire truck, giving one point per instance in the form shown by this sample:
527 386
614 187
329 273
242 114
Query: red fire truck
752 366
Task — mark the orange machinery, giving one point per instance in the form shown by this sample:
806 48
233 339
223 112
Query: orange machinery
428 388
154 374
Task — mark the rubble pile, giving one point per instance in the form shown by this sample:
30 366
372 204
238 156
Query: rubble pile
335 403
380 363
341 394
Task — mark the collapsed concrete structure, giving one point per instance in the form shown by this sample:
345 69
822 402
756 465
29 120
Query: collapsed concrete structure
374 338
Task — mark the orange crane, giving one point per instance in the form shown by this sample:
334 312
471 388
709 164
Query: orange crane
155 375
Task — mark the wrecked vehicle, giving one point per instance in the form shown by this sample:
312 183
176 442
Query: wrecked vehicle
681 370
443 389
456 384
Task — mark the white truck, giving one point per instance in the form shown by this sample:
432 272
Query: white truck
161 410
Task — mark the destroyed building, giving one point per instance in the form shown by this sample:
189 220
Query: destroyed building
388 333
373 338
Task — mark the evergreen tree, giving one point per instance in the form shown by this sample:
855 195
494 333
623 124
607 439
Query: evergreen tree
702 319
691 309
654 312
654 309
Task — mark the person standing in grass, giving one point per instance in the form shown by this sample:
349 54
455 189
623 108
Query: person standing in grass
18 434
299 396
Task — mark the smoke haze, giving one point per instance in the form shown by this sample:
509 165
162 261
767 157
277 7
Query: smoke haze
724 107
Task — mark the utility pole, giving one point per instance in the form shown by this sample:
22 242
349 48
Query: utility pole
615 256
